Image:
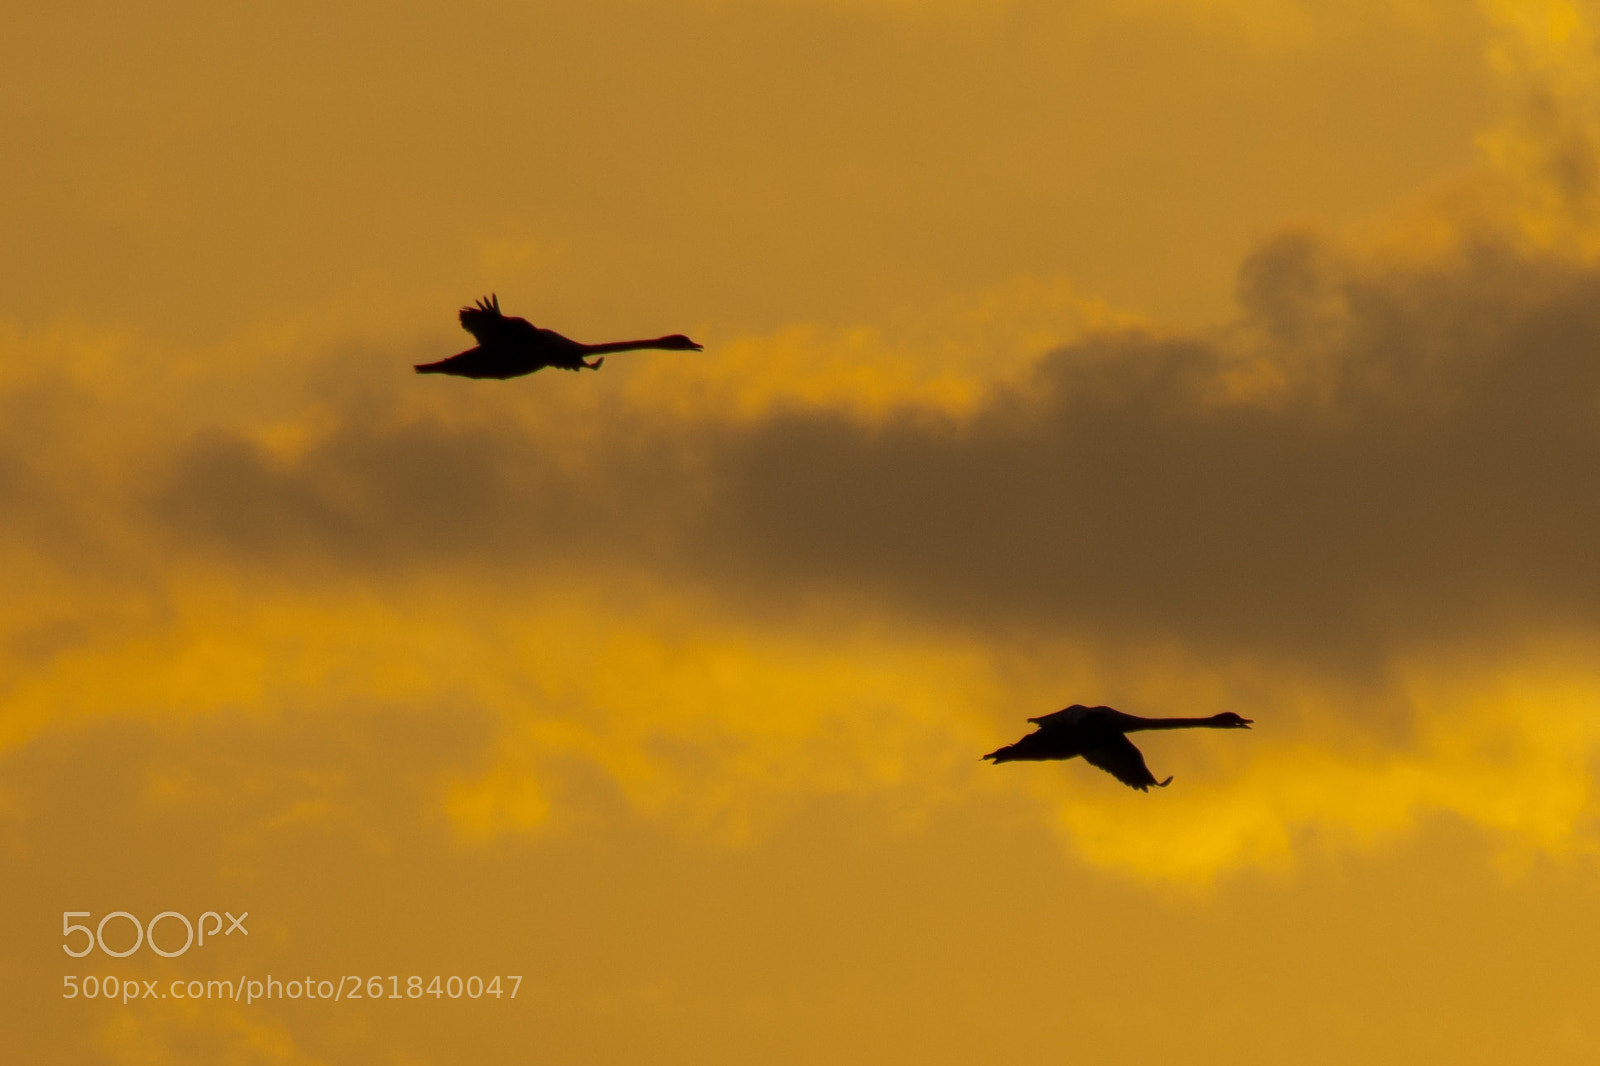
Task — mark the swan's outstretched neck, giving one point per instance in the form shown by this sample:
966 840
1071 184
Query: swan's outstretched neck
675 343
1168 723
1216 721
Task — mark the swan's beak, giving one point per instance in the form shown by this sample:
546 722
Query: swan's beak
1248 722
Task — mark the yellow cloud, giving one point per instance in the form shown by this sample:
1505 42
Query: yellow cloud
720 723
949 364
1509 747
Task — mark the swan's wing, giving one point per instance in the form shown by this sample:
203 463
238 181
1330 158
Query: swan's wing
485 322
1066 716
1117 756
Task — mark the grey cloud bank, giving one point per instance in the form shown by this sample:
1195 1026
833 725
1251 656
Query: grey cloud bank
1414 455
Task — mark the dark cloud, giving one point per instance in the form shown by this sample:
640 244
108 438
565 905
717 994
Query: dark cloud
1431 460
1414 454
380 493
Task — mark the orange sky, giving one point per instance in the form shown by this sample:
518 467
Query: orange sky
1180 355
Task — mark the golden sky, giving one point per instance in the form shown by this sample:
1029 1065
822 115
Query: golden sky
1177 355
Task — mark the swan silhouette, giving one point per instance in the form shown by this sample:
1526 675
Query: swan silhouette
511 347
1099 734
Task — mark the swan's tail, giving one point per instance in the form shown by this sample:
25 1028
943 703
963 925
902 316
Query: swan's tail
467 364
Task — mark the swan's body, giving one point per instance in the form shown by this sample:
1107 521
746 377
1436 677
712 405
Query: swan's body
511 347
1099 734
